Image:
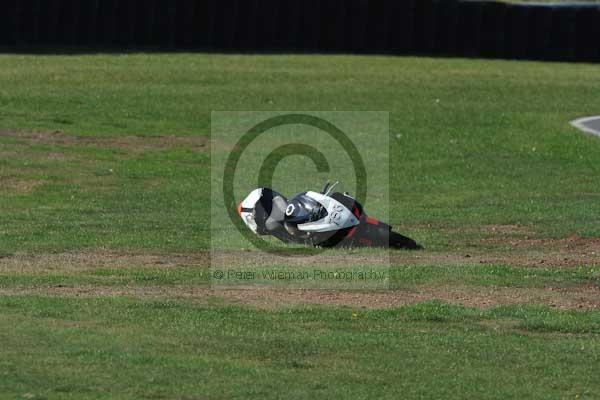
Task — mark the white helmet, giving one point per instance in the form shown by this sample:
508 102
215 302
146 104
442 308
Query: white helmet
263 210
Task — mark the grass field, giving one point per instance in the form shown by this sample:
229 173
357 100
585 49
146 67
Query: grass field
104 233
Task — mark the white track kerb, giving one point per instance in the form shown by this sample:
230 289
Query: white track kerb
590 125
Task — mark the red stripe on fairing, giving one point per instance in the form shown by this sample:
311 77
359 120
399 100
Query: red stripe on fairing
351 232
372 221
356 212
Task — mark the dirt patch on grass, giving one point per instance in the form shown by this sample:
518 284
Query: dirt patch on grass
478 297
584 297
135 144
506 230
254 258
518 245
573 253
571 297
551 258
73 262
495 230
19 185
572 243
81 261
564 253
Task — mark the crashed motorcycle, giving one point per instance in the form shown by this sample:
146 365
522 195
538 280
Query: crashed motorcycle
319 219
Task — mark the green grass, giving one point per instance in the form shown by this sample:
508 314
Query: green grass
400 277
122 348
472 143
97 196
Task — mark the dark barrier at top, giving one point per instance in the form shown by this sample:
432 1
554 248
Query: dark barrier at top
432 27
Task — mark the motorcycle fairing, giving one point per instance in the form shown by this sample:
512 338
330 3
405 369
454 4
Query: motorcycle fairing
338 216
